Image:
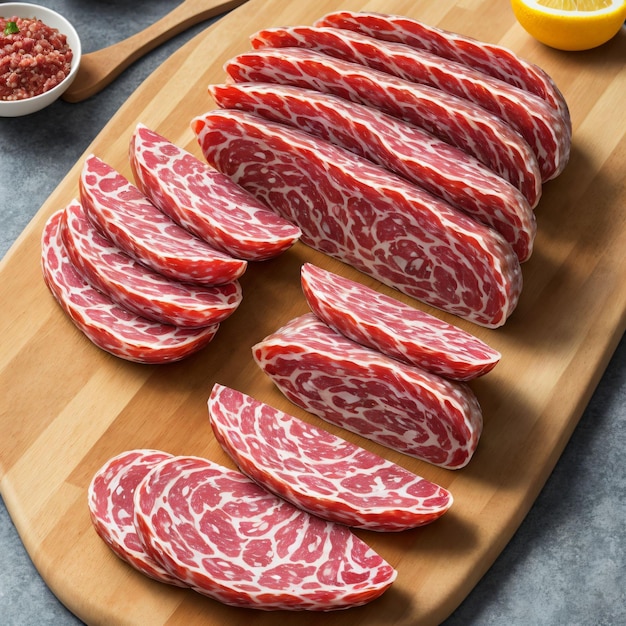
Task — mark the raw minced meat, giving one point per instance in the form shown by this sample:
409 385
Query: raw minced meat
33 60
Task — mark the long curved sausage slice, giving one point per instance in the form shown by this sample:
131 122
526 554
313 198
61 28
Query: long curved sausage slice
232 540
491 59
465 125
362 390
438 167
137 287
320 472
122 213
394 328
108 325
111 508
531 116
206 202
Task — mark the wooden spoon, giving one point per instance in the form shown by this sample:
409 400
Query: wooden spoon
98 69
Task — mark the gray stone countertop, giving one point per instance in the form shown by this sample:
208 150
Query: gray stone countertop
566 563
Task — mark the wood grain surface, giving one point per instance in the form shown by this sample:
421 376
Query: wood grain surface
67 407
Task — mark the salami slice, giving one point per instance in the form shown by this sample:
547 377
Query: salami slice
365 216
531 116
234 541
362 390
320 472
124 214
491 59
137 287
205 201
394 328
441 169
111 508
108 325
463 124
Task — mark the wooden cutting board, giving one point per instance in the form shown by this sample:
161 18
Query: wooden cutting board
67 406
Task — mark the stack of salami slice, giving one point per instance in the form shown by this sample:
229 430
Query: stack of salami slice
413 154
148 272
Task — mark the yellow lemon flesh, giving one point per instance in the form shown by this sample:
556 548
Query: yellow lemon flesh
571 24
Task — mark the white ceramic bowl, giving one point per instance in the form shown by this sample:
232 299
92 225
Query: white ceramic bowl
15 108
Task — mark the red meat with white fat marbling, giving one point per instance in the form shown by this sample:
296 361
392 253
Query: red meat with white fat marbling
532 117
206 202
108 325
111 507
123 214
320 472
368 217
362 390
137 287
463 124
497 61
394 328
232 540
441 169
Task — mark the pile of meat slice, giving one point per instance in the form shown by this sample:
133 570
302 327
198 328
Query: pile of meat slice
413 154
380 368
149 271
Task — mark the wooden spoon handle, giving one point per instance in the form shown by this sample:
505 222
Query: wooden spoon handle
98 69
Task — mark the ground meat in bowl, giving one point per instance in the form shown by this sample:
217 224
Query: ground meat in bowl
33 60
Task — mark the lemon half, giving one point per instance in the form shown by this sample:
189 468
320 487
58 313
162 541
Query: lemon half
571 24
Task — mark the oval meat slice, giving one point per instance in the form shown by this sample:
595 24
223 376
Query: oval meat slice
111 508
494 60
124 214
234 541
138 288
397 405
531 116
320 472
108 325
394 328
434 165
205 201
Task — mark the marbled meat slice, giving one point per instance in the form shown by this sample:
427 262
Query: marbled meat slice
111 507
320 472
234 541
394 328
441 169
108 325
362 390
138 288
489 58
367 217
206 202
122 213
463 124
531 116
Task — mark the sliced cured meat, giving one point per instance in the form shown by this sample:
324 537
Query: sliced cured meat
320 472
367 217
234 541
108 325
137 287
491 59
438 167
205 201
111 508
531 116
394 328
399 406
455 120
124 214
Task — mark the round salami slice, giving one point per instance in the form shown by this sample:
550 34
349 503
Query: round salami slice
234 541
320 472
111 507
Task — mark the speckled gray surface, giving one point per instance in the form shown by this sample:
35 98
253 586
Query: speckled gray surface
565 565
